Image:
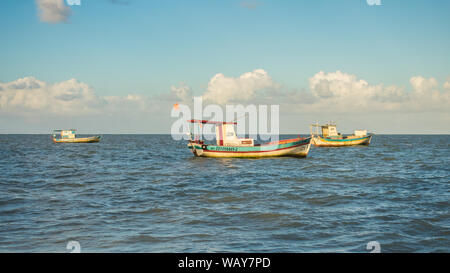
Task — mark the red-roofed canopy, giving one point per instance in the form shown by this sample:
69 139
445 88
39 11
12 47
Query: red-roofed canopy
210 122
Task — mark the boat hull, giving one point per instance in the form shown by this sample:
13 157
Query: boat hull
327 142
78 140
293 148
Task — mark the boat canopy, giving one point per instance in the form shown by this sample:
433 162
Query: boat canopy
225 134
211 122
328 130
65 130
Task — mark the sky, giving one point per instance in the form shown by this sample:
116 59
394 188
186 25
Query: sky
118 66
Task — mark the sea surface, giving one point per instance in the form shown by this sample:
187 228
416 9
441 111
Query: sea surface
147 193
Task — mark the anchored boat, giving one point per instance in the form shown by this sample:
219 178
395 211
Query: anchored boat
229 145
69 136
331 138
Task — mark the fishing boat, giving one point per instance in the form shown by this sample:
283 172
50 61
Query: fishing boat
69 136
229 145
331 138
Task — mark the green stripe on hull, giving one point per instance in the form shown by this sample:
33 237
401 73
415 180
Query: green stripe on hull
261 148
342 140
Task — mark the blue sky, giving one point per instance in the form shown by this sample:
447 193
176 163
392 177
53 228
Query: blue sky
145 47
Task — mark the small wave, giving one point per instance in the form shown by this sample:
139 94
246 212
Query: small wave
147 239
289 237
342 169
196 222
329 200
225 199
264 215
151 211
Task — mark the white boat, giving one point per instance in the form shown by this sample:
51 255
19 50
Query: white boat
229 145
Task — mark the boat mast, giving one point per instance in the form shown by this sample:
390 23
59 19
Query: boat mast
314 129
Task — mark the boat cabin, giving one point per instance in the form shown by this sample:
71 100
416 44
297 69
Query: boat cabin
64 134
225 134
329 130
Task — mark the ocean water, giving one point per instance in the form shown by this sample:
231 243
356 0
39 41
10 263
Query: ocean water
147 193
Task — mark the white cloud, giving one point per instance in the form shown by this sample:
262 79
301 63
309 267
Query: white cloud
53 11
28 96
447 84
338 84
427 96
29 105
329 96
342 92
222 89
181 92
422 85
333 92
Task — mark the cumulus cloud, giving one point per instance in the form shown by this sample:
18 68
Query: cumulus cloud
28 96
181 92
426 95
53 11
422 85
29 105
327 96
333 92
342 92
337 84
222 89
338 91
447 85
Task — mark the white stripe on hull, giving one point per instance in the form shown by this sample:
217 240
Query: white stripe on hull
299 151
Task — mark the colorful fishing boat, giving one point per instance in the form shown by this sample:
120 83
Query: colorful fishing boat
69 136
331 138
229 145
